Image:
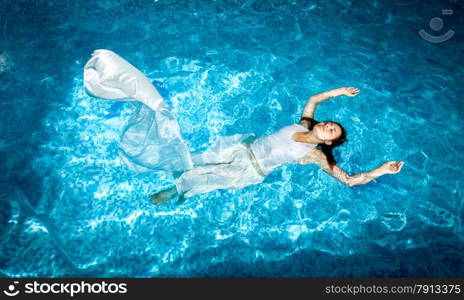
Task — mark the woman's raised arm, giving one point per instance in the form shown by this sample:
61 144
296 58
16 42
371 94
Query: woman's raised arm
314 100
318 157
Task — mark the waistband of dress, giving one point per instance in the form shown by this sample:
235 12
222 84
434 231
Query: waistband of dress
253 160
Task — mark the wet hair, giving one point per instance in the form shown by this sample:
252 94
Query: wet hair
327 149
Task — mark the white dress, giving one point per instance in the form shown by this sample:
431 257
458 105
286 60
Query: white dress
279 148
231 163
152 140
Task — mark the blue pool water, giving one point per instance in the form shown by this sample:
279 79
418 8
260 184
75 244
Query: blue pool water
70 207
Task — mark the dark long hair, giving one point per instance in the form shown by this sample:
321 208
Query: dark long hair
327 149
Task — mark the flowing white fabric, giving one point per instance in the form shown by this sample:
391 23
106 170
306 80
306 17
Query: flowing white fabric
152 140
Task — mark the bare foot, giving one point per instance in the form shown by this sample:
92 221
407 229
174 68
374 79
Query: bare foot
163 196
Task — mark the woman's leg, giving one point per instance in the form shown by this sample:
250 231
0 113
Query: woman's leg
221 151
234 175
199 180
164 195
235 171
212 171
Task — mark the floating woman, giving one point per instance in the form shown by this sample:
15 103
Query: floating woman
153 140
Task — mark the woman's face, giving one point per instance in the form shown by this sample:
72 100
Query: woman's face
327 131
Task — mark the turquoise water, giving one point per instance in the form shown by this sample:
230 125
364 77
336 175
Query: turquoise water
69 206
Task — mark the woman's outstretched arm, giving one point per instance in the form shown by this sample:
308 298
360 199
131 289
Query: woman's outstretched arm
314 100
318 157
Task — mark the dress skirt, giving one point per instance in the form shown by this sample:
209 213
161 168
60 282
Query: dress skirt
152 140
227 164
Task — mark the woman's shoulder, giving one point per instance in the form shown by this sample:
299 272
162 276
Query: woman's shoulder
305 124
295 126
292 128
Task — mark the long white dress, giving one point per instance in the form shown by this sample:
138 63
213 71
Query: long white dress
231 163
153 140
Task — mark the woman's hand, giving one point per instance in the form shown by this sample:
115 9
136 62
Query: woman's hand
392 167
350 91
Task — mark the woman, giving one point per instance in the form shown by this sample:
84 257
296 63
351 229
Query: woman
153 140
242 164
